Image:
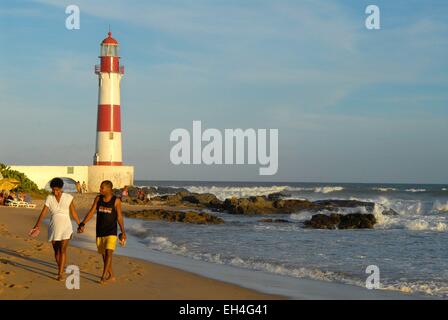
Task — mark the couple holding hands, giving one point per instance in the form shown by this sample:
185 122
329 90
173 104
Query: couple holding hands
108 214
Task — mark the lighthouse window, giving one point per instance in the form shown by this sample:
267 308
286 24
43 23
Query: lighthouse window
111 136
108 51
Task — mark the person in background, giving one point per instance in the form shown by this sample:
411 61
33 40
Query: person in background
84 187
21 196
27 198
78 187
11 197
140 194
125 192
2 199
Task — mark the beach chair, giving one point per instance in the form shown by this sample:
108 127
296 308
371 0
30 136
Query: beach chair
30 205
24 204
20 204
12 203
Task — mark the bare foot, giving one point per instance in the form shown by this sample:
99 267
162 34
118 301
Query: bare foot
111 277
60 277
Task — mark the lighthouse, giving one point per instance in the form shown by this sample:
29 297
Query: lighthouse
108 136
107 162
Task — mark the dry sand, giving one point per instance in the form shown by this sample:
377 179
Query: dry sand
28 269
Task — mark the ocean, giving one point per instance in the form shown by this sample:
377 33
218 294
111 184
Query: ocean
410 249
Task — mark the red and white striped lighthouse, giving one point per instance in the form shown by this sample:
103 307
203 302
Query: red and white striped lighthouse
108 137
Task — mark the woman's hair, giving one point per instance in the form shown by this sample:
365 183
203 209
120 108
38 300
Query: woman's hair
56 183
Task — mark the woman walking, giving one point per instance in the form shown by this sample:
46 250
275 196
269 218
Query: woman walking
60 229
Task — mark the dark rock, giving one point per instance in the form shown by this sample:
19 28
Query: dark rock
340 221
132 191
207 199
329 204
202 200
252 205
322 221
134 201
293 205
357 221
262 205
277 196
116 192
175 216
390 212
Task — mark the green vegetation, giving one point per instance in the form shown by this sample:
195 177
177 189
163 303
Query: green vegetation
26 185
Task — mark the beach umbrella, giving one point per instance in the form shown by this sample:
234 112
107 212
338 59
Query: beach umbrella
8 184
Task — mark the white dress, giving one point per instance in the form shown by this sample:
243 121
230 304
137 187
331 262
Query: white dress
60 227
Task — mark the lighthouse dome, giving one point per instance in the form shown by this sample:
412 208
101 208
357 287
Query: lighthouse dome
109 40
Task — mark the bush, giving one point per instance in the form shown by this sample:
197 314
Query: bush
26 185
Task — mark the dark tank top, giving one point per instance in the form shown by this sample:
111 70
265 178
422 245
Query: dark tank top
106 217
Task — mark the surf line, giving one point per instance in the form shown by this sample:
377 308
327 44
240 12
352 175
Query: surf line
228 148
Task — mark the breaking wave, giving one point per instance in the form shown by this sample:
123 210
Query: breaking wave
415 190
223 193
381 189
241 192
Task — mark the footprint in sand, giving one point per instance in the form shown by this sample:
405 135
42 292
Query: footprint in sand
24 252
17 286
7 273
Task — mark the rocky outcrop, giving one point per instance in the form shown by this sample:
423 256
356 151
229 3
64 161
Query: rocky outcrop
205 200
390 212
278 195
175 216
262 205
151 191
271 204
331 204
340 221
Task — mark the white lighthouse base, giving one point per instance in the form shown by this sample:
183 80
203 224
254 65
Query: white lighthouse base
119 175
92 175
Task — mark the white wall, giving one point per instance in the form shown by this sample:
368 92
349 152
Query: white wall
93 175
41 175
119 175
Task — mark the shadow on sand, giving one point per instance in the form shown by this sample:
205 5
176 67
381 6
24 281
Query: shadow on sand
40 271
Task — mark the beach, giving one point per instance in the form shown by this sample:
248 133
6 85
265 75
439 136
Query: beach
28 270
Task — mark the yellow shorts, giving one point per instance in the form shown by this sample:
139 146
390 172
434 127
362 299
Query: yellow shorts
106 243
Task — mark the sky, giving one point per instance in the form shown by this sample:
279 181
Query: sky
350 104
